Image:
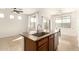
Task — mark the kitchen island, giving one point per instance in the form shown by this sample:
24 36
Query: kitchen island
47 42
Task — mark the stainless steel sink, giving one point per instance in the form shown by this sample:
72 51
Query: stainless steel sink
40 34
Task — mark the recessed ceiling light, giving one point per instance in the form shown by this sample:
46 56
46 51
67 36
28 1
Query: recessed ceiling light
11 17
19 17
1 15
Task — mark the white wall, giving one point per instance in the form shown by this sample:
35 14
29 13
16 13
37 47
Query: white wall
14 26
47 12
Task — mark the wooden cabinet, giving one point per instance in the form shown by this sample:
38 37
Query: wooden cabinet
40 45
29 45
43 44
44 47
43 41
51 43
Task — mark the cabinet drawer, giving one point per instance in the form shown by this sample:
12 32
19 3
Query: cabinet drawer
42 41
43 47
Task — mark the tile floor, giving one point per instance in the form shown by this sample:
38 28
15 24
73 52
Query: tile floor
68 43
14 43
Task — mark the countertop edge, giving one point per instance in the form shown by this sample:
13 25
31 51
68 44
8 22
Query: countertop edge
35 38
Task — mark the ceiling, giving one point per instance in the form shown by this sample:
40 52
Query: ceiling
46 12
52 10
43 11
30 10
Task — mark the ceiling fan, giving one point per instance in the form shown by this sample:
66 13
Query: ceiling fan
17 10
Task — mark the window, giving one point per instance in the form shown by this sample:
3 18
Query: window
1 15
33 23
45 24
63 21
66 22
19 17
11 17
58 21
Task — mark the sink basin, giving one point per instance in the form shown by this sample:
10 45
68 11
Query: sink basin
40 34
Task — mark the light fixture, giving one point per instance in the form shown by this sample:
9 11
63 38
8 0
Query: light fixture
1 15
11 17
19 17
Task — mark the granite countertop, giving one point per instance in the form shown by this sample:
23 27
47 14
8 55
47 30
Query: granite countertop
35 38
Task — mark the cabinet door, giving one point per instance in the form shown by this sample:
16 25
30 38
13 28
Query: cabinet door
29 45
44 47
51 43
42 41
